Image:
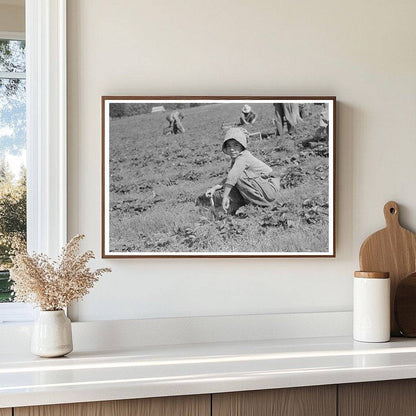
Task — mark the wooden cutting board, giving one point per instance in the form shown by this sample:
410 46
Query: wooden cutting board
405 306
393 250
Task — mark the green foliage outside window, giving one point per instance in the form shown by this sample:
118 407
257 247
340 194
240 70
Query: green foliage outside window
12 143
12 223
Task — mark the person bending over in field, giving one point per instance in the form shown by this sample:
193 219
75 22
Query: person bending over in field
248 116
175 123
289 113
249 180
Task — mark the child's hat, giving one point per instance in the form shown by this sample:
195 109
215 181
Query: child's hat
236 133
246 109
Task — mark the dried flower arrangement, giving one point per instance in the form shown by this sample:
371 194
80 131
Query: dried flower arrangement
53 285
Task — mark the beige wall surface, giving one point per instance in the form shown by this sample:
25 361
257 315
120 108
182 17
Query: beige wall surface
12 18
360 51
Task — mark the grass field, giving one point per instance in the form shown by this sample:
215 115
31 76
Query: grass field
155 180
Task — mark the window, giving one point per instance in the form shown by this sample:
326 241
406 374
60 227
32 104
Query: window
12 165
12 153
46 135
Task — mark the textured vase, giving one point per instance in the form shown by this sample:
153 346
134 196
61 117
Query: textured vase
52 334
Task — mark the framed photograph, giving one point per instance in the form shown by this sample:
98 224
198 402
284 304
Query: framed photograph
218 176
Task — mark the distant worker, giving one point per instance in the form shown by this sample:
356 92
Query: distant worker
175 123
288 112
248 116
324 120
321 134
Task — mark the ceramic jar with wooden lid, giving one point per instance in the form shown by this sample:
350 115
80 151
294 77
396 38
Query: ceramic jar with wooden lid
371 307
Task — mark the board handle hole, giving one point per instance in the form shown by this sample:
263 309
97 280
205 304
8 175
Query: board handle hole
392 211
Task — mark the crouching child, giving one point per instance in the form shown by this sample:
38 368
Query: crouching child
249 180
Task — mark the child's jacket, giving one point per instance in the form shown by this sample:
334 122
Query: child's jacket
253 167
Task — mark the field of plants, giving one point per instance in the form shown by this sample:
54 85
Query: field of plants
156 179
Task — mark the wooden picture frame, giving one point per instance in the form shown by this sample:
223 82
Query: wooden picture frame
162 155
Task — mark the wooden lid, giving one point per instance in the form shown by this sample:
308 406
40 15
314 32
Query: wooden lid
372 275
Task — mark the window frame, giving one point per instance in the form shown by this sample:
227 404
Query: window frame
12 35
46 137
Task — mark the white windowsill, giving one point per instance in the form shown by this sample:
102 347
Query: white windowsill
171 370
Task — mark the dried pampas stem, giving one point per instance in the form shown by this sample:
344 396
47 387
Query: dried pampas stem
53 285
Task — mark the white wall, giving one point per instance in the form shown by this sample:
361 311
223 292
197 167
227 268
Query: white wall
361 51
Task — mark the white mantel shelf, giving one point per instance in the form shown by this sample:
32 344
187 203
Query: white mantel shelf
151 371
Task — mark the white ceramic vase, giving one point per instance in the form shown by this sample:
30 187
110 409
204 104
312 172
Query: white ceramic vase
52 334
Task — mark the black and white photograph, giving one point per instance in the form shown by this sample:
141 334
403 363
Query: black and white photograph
218 176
